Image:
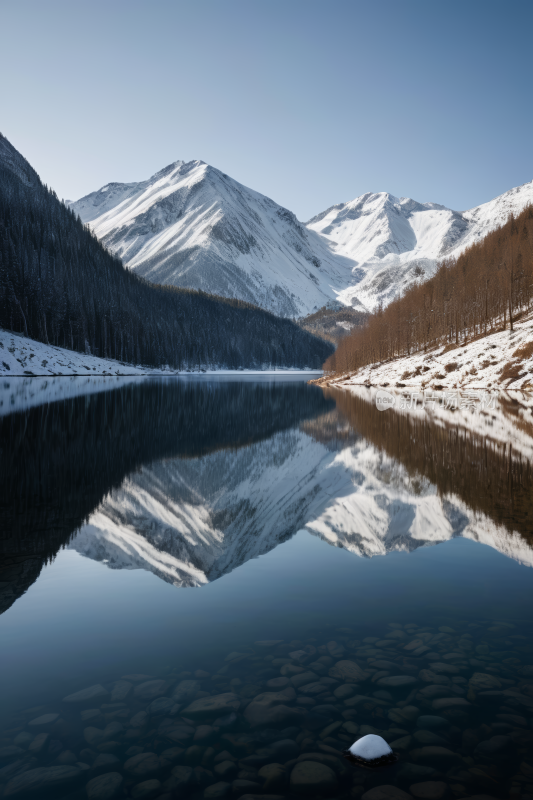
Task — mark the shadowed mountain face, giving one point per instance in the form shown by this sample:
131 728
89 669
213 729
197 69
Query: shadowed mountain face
191 480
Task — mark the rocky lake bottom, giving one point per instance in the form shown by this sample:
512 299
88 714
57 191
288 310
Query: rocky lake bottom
454 703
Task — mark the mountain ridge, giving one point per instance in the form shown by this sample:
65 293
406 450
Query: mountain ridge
395 241
192 225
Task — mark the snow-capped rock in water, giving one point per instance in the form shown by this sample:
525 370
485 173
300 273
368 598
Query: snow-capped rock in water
393 241
191 225
370 748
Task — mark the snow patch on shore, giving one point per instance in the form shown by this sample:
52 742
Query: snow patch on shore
24 357
21 356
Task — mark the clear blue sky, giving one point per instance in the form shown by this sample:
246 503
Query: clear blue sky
311 103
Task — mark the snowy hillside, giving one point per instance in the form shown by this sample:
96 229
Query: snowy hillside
21 356
394 241
500 360
192 226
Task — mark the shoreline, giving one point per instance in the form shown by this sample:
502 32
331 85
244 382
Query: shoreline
22 357
498 360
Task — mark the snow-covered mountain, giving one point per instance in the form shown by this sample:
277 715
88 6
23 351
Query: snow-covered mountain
191 225
394 241
192 521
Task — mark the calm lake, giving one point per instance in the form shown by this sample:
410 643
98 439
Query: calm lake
210 588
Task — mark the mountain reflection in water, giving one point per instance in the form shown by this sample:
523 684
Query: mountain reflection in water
191 479
59 460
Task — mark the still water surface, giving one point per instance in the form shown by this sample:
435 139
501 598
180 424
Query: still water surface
316 569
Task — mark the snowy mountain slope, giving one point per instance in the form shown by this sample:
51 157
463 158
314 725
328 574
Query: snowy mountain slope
483 219
395 241
192 521
191 225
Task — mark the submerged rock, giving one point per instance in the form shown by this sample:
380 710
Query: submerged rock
179 778
139 720
212 706
105 787
93 736
429 790
161 706
386 792
150 689
481 682
450 702
397 681
45 778
23 739
226 722
277 683
45 721
274 776
105 762
270 709
142 764
490 747
226 769
348 672
121 690
310 777
185 691
90 714
39 743
216 790
303 679
96 692
429 722
146 790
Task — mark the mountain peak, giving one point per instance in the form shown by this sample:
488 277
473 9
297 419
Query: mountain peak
192 225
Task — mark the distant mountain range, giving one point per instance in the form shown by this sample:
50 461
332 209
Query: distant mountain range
191 225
